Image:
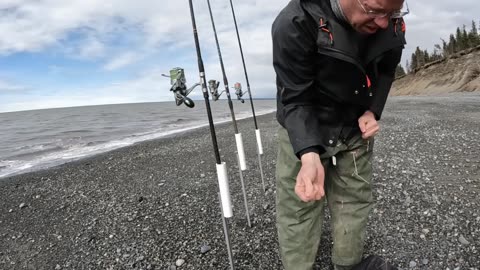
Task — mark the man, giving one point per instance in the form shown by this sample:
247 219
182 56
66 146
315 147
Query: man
335 62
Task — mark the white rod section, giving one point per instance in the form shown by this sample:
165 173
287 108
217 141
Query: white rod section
224 190
259 141
241 151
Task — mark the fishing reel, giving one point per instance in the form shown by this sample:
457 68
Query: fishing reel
179 87
213 87
238 91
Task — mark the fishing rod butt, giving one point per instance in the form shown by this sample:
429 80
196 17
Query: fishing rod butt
259 141
241 151
224 190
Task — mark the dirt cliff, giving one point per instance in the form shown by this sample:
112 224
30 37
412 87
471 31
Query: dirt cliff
457 73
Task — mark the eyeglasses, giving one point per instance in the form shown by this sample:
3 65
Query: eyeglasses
378 14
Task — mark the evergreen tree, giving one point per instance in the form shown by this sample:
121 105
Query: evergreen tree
399 71
437 52
445 48
473 35
426 57
459 41
420 57
466 41
452 44
413 63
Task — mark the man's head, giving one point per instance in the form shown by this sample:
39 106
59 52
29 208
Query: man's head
368 16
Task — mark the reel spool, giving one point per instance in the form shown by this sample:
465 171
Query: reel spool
179 87
213 87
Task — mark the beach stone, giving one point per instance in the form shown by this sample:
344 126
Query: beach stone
463 241
204 249
202 175
179 262
412 264
22 205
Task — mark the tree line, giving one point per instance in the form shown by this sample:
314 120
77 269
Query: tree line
461 40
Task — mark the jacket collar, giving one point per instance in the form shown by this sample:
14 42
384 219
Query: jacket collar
346 39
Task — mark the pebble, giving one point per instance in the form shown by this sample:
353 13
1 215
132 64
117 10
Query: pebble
412 264
463 241
22 205
265 206
202 175
179 262
204 249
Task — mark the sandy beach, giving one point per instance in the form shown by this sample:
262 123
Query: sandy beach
155 204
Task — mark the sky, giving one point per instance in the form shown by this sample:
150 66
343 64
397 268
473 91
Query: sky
56 53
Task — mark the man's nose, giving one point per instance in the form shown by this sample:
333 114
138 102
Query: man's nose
382 22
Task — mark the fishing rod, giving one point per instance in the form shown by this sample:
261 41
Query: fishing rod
257 131
224 194
242 165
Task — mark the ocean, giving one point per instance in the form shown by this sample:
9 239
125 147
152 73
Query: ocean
38 139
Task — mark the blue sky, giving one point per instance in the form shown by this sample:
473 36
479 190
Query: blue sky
57 53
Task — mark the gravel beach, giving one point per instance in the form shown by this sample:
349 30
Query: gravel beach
154 205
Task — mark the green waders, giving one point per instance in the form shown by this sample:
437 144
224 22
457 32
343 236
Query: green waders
349 198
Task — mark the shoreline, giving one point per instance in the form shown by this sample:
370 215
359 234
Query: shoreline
167 134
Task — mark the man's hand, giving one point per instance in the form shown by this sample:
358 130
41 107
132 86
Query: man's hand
368 125
310 178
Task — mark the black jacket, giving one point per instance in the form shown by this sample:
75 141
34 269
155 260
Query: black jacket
328 75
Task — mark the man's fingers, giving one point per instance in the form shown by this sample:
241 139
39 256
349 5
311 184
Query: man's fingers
300 190
362 124
309 190
371 132
320 193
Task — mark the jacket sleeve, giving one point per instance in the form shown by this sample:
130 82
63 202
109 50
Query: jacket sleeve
386 67
294 51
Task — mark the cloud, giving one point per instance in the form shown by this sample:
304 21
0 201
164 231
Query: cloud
121 61
10 88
